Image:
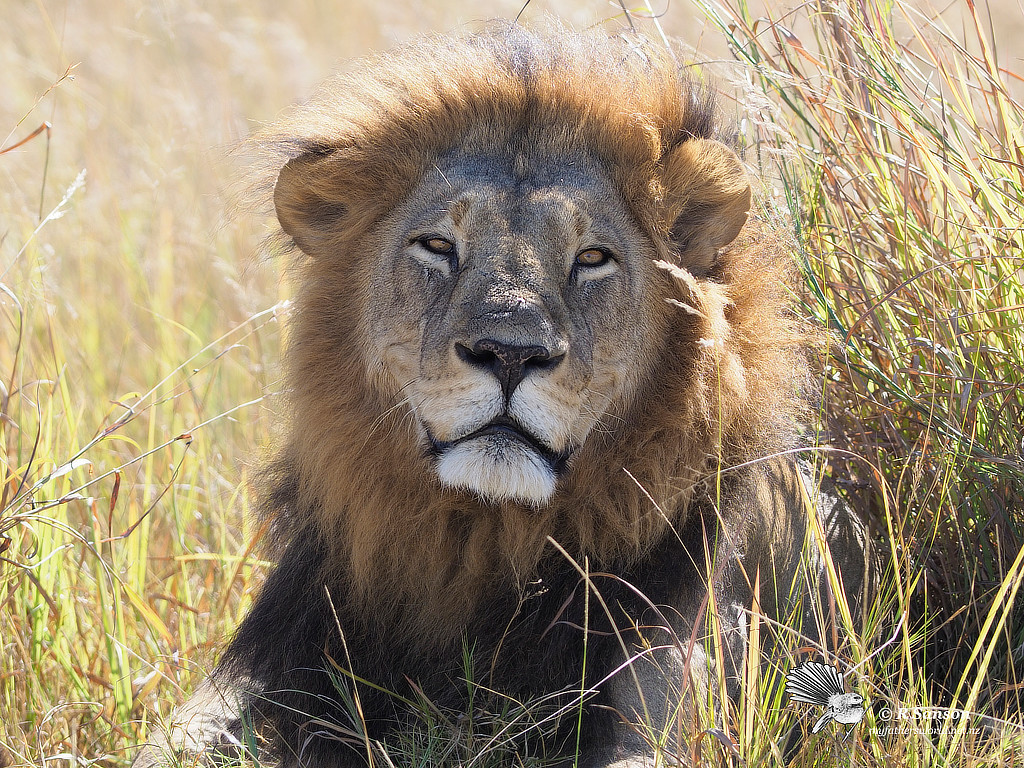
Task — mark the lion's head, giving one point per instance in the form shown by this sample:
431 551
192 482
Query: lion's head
526 308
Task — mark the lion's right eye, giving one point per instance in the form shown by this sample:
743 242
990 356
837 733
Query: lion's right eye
436 252
438 245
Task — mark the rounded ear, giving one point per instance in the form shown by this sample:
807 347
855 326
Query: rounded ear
307 198
706 199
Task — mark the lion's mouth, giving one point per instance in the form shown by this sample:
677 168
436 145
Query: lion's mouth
507 429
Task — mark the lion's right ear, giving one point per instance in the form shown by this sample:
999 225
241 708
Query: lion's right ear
308 198
706 199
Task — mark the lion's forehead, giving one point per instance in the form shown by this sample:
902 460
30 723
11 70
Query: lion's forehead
531 215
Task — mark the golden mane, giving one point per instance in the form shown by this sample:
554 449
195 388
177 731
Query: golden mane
725 364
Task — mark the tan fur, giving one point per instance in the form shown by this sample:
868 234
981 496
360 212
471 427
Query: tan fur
716 389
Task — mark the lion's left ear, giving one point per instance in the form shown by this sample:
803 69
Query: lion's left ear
706 199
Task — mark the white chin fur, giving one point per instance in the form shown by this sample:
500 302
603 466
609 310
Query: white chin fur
498 469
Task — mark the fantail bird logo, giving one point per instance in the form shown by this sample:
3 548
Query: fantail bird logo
812 682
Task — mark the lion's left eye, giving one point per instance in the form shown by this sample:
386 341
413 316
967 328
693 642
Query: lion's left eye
593 257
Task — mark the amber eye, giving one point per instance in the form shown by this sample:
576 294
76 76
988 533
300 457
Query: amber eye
592 257
438 245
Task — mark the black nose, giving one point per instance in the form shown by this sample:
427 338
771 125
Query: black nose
508 362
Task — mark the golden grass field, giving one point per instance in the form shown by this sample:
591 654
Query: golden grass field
141 325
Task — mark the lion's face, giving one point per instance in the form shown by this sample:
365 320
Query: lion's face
485 265
509 307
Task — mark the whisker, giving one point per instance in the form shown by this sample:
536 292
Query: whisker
377 422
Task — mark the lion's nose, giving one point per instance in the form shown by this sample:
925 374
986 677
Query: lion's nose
510 363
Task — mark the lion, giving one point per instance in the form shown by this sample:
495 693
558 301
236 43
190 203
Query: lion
545 392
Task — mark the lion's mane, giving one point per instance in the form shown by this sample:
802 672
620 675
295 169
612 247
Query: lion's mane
724 368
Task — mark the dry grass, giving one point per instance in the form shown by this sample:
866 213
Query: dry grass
899 143
140 336
910 186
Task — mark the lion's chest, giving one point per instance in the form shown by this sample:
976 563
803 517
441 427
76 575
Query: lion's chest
555 635
516 643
